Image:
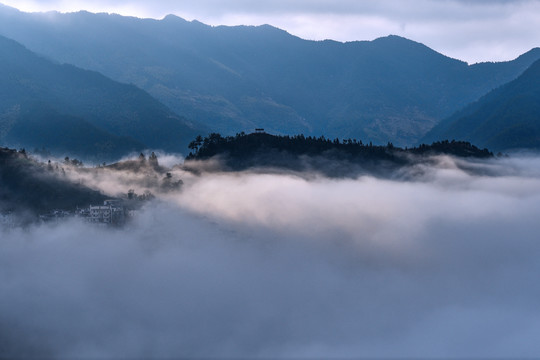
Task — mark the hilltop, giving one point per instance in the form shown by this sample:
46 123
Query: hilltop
347 157
28 185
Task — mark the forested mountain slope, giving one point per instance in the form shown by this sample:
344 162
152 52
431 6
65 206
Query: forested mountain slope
506 118
27 185
64 108
244 77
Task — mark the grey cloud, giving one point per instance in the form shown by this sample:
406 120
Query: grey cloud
467 30
384 8
269 265
394 10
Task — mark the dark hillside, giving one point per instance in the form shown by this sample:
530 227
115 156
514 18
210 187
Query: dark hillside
506 118
62 108
332 157
26 185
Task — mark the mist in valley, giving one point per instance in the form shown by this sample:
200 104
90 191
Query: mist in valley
438 260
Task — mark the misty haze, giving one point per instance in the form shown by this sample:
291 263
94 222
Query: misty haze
171 189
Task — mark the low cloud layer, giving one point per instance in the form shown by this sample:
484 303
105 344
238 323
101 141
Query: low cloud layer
473 31
245 265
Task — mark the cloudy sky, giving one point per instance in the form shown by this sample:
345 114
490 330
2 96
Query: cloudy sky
479 30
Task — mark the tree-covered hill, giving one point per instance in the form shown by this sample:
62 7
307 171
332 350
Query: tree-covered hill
245 77
298 153
29 186
506 118
67 109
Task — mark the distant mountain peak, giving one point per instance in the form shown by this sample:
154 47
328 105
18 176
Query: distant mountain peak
9 8
401 42
175 18
534 53
393 37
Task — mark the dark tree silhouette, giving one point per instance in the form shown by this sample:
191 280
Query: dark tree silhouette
262 149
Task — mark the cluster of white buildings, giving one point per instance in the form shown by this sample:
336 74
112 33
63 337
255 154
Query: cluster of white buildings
55 215
111 212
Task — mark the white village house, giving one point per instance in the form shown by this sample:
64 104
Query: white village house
111 212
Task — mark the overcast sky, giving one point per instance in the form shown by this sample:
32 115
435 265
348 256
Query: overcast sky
470 30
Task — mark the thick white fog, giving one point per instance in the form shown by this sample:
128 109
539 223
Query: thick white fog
443 262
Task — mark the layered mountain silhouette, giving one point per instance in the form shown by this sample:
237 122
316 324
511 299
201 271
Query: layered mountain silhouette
506 118
239 78
67 109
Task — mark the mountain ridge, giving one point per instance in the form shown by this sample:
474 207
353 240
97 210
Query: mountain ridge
506 118
244 77
120 115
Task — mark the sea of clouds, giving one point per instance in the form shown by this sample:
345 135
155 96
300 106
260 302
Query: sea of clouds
438 261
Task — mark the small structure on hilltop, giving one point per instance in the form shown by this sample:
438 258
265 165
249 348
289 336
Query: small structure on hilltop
259 131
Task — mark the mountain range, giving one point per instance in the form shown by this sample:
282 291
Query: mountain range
66 109
506 118
234 79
